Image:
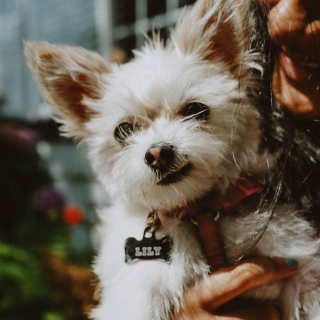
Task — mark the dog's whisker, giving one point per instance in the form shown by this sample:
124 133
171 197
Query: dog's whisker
235 161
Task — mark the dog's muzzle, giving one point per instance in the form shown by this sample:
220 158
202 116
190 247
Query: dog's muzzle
164 160
160 157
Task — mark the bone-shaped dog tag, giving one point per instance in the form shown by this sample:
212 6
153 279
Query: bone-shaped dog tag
148 248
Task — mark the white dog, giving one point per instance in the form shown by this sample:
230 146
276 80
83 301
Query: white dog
163 131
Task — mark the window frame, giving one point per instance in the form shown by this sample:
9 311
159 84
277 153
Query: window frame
108 34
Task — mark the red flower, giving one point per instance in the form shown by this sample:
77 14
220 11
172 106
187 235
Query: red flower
73 215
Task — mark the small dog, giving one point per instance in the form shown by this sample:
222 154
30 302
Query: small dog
177 122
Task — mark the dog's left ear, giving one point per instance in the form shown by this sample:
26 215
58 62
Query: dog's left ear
214 30
71 79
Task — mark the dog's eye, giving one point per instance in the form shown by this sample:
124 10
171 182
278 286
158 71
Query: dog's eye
196 110
122 131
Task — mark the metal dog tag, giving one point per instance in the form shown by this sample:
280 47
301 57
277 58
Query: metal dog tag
149 248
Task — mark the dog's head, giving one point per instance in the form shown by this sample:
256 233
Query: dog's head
165 128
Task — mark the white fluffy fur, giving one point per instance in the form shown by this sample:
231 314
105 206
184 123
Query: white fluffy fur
149 92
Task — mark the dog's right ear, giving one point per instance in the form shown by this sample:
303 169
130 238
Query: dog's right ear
215 31
72 79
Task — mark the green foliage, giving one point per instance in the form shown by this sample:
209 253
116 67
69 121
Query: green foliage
36 253
52 316
21 277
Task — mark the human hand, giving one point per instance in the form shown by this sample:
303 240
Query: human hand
295 28
205 299
202 302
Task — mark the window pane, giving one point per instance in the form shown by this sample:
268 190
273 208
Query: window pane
156 7
183 3
123 12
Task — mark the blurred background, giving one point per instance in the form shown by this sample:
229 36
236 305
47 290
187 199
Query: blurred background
47 193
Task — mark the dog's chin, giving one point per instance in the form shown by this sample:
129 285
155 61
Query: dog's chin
178 190
177 205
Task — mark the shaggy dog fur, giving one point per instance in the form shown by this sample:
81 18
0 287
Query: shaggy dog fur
218 56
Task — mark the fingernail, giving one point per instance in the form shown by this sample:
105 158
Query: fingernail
292 263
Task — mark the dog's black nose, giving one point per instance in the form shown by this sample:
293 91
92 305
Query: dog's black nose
160 156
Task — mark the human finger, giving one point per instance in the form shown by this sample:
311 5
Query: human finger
296 24
227 284
296 86
286 19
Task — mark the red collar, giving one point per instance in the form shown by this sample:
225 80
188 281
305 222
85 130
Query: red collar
212 205
242 189
227 202
213 202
